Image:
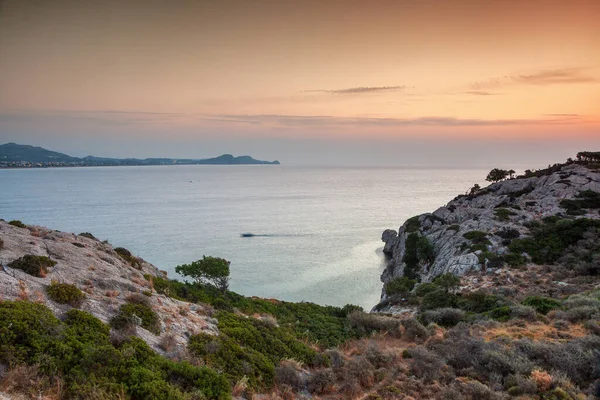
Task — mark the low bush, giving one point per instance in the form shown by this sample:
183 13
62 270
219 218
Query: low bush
65 293
412 224
287 374
443 316
127 256
367 323
477 237
33 265
414 330
136 314
78 350
326 326
88 235
400 286
526 313
543 305
321 381
17 223
503 214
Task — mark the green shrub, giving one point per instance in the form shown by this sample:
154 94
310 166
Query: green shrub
503 214
65 293
424 288
401 286
480 302
27 332
443 316
477 237
549 241
17 223
225 355
80 352
33 265
130 312
412 224
543 305
368 323
88 235
325 325
130 258
454 227
438 298
417 249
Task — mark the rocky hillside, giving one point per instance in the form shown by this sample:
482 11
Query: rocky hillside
107 276
501 226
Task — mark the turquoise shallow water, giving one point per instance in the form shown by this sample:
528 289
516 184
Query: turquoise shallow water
322 226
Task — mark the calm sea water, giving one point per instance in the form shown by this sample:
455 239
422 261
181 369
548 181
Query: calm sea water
323 225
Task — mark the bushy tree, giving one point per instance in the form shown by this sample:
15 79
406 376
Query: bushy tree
209 270
497 175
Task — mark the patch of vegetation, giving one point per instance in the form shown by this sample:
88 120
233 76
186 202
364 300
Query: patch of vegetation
543 305
88 235
454 227
79 351
477 237
65 293
324 325
400 286
249 347
130 258
17 223
418 250
587 199
551 240
412 224
503 214
136 314
33 265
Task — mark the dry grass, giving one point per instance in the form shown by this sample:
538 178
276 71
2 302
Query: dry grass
535 331
25 383
23 294
112 293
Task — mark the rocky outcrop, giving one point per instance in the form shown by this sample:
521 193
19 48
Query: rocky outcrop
106 278
498 210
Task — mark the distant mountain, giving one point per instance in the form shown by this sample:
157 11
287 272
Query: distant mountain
14 155
21 152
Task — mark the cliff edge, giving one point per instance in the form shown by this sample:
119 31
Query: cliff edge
488 229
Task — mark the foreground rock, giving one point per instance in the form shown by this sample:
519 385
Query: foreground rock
106 278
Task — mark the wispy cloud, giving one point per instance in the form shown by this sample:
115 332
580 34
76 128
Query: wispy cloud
359 90
328 121
119 118
481 93
544 77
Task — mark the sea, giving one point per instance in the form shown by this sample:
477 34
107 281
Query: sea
317 230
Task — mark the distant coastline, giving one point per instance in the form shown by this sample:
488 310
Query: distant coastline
13 155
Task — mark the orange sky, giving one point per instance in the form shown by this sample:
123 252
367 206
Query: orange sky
335 68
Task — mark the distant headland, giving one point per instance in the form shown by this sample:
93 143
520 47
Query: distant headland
13 155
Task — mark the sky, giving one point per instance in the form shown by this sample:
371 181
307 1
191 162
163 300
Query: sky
311 82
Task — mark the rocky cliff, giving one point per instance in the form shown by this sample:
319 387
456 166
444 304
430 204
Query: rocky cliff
474 232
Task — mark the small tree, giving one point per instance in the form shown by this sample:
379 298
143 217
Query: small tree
474 190
209 270
511 173
497 175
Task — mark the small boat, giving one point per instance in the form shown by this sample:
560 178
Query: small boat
247 235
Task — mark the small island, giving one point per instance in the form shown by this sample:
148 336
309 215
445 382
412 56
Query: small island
13 155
